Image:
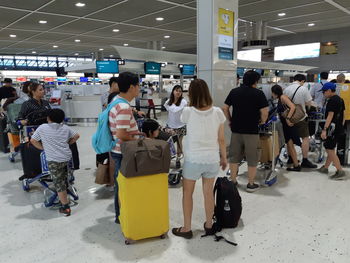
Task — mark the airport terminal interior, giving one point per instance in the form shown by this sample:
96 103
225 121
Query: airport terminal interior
118 118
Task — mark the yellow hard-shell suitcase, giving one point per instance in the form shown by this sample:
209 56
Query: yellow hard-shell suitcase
144 206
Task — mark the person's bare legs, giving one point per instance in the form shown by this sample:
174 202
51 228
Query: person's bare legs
63 197
293 153
251 174
334 158
328 161
187 203
234 171
305 147
209 203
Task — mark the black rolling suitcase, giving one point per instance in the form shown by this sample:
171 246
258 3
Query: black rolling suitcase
4 141
30 160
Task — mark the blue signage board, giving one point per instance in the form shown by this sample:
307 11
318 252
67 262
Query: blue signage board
83 79
188 70
225 53
107 66
152 68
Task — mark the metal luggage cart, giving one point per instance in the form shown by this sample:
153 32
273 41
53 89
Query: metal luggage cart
270 129
50 194
316 143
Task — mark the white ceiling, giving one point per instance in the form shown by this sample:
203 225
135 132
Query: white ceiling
93 24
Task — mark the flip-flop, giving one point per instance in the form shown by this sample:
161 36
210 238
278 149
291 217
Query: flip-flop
177 232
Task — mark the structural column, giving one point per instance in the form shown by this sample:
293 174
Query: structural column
217 25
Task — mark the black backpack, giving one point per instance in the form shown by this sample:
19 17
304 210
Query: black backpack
228 207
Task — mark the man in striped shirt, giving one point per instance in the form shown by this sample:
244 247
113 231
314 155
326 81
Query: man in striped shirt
122 123
54 138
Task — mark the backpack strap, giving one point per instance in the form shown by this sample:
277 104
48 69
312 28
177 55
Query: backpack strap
295 93
218 238
115 102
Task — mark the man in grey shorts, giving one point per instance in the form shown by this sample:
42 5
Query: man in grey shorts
249 109
299 94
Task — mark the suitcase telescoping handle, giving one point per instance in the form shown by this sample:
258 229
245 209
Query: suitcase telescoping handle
141 143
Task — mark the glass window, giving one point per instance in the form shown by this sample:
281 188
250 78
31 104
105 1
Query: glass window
32 58
62 59
80 59
42 58
21 63
7 56
70 58
8 62
20 57
52 64
52 58
32 63
62 64
42 63
88 59
71 64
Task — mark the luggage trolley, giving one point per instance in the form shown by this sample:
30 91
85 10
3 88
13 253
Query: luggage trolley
270 129
316 143
43 177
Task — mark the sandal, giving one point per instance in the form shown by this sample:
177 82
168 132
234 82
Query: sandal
177 232
209 231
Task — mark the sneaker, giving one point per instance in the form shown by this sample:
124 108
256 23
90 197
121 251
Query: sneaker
65 210
339 175
294 169
323 170
307 164
251 188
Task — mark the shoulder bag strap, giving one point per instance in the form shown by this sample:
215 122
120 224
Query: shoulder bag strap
295 93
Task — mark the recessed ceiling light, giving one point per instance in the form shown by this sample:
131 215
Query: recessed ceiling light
101 49
77 40
311 24
166 36
163 47
125 45
76 54
115 30
159 18
55 46
111 55
281 14
42 21
80 4
13 36
33 52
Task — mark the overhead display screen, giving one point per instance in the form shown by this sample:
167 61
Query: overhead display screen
250 55
188 70
152 68
302 51
107 67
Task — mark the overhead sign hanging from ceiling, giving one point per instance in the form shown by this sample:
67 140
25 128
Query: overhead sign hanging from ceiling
225 32
152 68
107 67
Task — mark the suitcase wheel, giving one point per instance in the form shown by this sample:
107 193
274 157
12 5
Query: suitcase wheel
25 185
129 242
163 236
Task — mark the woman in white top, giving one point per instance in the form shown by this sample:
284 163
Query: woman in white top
205 152
175 106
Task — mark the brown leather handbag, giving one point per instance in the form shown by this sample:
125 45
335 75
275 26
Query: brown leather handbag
299 113
145 157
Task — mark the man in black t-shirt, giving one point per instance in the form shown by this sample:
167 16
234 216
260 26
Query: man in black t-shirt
7 91
249 109
333 128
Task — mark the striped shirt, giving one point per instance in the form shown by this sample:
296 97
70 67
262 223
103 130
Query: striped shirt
121 117
32 105
54 138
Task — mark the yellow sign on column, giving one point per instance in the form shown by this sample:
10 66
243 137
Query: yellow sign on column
226 18
345 95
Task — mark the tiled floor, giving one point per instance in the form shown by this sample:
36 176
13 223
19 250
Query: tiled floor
303 218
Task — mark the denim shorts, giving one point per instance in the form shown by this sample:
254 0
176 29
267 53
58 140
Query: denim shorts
194 171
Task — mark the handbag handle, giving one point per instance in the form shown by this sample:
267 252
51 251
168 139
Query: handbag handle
141 143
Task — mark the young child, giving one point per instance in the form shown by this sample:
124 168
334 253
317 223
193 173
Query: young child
54 138
151 128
